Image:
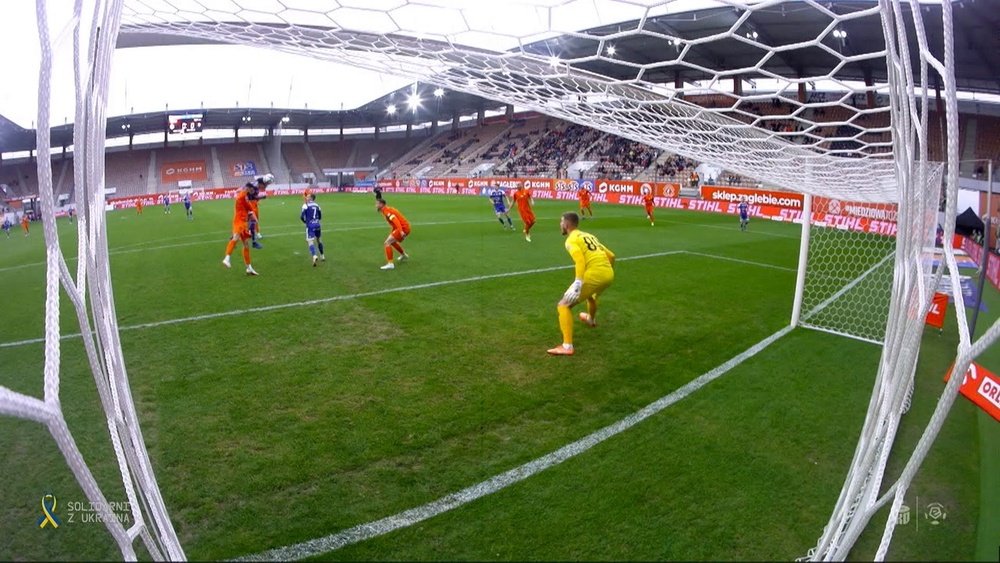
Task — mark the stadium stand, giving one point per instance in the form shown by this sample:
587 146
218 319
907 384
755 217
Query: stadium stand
424 159
195 153
524 134
333 154
619 158
669 168
21 178
388 151
232 156
463 154
557 147
299 161
988 140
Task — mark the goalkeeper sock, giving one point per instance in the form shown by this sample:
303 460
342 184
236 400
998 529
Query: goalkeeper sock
312 249
388 254
246 255
566 324
230 247
592 309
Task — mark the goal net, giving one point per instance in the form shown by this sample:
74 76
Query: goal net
727 93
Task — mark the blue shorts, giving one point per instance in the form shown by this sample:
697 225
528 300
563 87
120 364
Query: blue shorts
312 232
499 209
744 217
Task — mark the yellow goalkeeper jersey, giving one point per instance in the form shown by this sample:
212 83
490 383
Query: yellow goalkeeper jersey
589 256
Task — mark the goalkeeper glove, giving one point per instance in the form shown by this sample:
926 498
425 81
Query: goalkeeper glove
573 293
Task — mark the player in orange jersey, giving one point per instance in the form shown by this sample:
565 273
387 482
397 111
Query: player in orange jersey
583 194
242 215
138 207
305 195
400 230
257 194
647 202
522 198
24 223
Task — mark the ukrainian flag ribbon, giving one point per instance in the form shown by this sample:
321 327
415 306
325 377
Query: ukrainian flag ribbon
48 509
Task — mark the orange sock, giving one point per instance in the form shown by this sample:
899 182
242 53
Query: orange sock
388 253
230 247
566 323
398 247
246 255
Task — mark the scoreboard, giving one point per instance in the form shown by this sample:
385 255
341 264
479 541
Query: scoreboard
184 123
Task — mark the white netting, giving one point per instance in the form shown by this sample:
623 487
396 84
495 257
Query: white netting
93 39
862 496
830 146
849 272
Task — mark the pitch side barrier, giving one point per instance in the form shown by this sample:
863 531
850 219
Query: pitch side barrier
875 218
975 252
206 194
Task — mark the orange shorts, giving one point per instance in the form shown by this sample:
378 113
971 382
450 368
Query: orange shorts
399 235
241 229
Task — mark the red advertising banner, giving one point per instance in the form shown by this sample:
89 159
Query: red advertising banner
939 307
208 195
993 270
620 187
974 250
864 210
754 196
629 187
183 170
560 189
773 206
982 387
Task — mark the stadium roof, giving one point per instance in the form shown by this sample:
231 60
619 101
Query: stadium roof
977 55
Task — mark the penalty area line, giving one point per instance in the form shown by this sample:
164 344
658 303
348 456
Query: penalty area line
496 483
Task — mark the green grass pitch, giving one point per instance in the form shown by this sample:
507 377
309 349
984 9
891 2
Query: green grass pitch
395 388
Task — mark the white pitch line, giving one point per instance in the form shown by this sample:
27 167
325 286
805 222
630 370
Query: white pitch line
740 261
280 306
412 516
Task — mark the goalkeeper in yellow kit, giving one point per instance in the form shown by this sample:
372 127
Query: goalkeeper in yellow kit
594 273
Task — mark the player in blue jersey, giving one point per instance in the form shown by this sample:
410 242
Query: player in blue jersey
187 206
311 216
501 203
744 208
6 226
166 203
